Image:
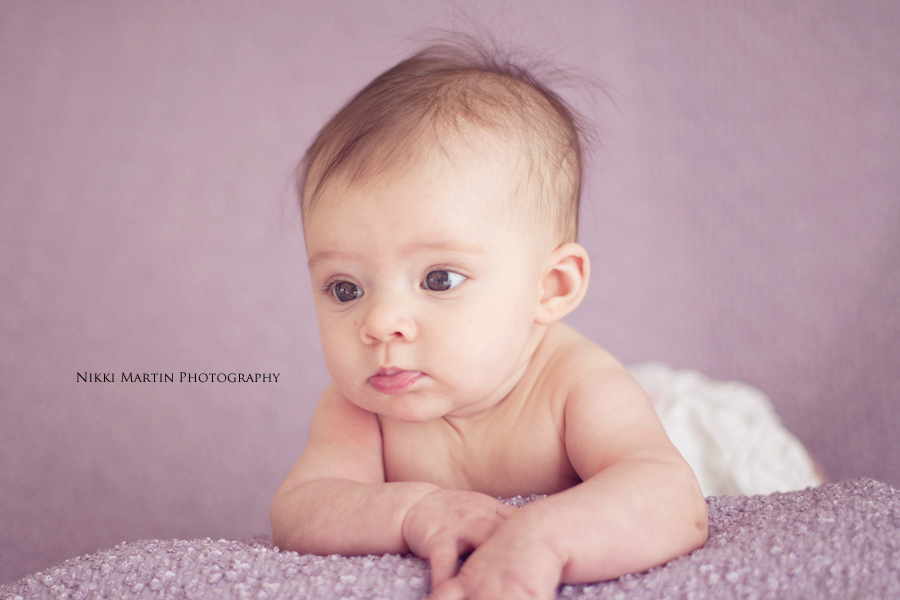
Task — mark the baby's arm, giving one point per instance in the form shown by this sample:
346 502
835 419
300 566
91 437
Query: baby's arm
639 504
335 499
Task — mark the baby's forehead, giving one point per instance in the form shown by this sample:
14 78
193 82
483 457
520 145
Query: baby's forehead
470 149
462 170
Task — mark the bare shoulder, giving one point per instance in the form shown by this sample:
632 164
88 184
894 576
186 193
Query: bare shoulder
571 359
344 442
608 417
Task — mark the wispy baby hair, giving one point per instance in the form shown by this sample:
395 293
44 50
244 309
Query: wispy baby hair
455 86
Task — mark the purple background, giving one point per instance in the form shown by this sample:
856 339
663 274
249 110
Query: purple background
742 216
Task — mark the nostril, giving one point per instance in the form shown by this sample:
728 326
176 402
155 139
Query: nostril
386 320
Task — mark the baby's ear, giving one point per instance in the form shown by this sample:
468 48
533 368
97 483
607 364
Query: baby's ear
564 280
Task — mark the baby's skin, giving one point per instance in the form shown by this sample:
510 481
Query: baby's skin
455 383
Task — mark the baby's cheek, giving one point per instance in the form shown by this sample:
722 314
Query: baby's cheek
338 354
483 346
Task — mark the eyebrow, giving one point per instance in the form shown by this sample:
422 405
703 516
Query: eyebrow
439 245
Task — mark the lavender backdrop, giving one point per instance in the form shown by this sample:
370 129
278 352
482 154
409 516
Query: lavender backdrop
742 215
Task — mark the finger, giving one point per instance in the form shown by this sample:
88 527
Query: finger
443 561
505 510
450 590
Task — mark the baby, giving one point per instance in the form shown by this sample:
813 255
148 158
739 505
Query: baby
440 211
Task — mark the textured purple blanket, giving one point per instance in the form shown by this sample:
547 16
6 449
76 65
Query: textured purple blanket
833 541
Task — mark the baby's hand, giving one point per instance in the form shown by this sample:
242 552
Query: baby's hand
514 564
448 523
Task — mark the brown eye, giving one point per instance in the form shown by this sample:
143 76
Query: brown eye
345 291
441 281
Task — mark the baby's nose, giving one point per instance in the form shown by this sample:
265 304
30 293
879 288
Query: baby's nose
388 319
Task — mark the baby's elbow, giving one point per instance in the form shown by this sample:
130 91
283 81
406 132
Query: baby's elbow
275 520
688 514
699 530
695 521
279 518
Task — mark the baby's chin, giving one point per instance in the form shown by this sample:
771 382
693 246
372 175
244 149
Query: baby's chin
409 407
422 402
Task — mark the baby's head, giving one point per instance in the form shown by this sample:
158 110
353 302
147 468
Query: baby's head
440 209
457 94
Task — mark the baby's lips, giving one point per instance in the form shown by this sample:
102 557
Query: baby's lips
394 381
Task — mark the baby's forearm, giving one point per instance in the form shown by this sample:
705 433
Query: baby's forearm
626 519
341 516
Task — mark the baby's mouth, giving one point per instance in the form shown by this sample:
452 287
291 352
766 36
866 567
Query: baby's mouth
394 381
